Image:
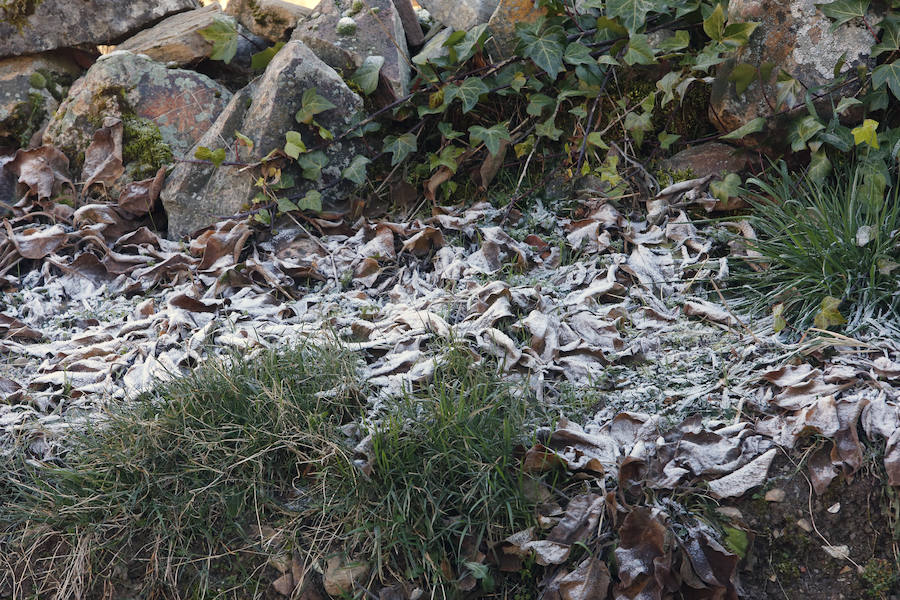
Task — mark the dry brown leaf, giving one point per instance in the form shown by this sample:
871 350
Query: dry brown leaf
103 158
44 170
424 241
640 553
139 198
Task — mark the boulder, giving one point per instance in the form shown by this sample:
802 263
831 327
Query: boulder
28 26
414 35
344 39
461 14
196 196
271 19
712 158
30 90
797 38
177 39
165 111
503 24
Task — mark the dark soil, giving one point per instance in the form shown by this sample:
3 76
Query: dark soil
786 561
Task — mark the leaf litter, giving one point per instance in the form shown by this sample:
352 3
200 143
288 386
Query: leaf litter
99 306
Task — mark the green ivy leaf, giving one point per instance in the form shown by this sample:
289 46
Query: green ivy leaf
468 92
578 54
679 41
667 139
400 146
890 36
312 201
714 24
261 60
216 157
470 43
638 51
803 130
890 74
286 205
447 158
638 125
829 315
789 90
736 540
243 139
366 76
293 145
263 217
312 164
632 13
842 11
744 130
310 105
596 139
224 37
710 56
538 103
742 75
726 188
548 129
491 137
738 34
356 171
819 166
666 85
867 133
845 104
545 50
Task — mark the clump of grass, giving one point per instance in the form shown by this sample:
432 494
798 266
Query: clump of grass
170 487
445 480
818 240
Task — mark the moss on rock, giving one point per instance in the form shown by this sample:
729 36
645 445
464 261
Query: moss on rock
16 12
143 147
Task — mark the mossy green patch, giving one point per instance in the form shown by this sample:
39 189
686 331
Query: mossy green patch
16 12
27 118
143 147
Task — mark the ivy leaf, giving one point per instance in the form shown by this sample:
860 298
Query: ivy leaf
746 129
311 201
538 103
803 130
286 205
845 104
312 164
491 137
471 42
400 146
548 129
595 139
819 166
676 42
789 90
310 105
468 92
216 157
545 50
356 171
742 75
447 158
726 188
866 133
638 125
829 315
890 36
714 24
224 37
632 13
842 11
710 56
366 76
578 54
244 140
667 139
666 85
261 60
738 34
293 145
638 51
890 74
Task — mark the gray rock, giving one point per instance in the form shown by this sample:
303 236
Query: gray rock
64 23
195 196
177 39
461 14
504 19
434 48
271 19
379 32
30 87
181 104
796 37
411 26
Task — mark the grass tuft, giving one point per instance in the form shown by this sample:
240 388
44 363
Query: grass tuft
818 240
